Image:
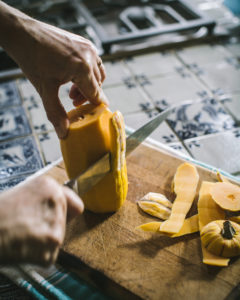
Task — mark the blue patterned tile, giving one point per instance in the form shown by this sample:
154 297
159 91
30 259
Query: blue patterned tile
179 147
220 150
200 119
19 156
162 134
9 94
50 146
127 99
8 183
116 73
232 103
169 90
13 123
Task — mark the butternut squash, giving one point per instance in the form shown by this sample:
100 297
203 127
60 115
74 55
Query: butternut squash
185 185
190 225
226 195
209 211
221 238
94 131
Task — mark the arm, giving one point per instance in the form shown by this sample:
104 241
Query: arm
50 57
33 220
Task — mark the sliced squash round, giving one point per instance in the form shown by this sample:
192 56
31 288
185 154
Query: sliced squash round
226 195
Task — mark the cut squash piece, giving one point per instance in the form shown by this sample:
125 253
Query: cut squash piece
209 211
190 225
94 131
185 185
156 204
226 195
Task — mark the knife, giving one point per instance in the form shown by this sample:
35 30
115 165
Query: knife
99 169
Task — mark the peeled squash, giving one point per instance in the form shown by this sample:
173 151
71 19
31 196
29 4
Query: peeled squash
94 131
185 185
209 211
226 195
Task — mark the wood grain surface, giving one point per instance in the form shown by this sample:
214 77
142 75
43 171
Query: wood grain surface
150 266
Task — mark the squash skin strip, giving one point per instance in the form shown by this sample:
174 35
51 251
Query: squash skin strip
185 185
209 211
190 225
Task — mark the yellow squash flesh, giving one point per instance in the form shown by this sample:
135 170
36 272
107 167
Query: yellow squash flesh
209 211
226 195
94 131
221 238
185 185
190 225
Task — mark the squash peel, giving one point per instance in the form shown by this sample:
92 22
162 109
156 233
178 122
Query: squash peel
185 185
94 131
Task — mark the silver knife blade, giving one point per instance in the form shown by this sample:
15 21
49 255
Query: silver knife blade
99 169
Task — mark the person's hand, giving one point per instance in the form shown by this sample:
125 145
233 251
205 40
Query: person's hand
33 219
50 57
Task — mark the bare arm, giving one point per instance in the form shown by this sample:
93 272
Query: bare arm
50 57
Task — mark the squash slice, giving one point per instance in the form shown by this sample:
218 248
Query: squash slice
94 131
209 211
190 225
226 195
185 185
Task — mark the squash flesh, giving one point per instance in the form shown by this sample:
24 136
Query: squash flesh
190 225
98 132
226 195
209 211
185 185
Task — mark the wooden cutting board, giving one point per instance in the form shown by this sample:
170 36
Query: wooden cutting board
147 265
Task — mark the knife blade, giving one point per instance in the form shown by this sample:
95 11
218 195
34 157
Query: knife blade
99 169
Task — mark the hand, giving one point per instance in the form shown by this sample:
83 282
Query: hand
50 57
33 220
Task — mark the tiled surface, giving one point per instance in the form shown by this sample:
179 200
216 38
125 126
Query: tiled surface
162 134
140 87
19 156
50 146
153 64
221 150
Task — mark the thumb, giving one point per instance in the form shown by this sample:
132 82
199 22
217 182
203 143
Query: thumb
55 111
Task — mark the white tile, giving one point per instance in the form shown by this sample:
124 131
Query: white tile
222 76
50 146
220 150
161 134
127 100
173 89
179 147
233 105
203 54
116 72
234 48
153 64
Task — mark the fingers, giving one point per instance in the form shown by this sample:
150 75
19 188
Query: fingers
90 89
75 205
55 111
76 95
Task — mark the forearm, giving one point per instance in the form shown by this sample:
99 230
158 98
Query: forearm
13 29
